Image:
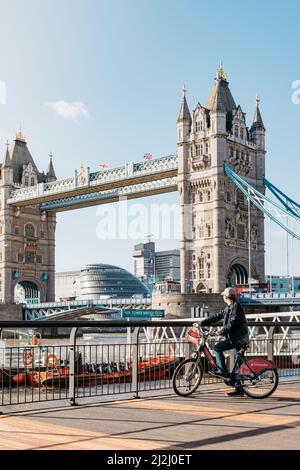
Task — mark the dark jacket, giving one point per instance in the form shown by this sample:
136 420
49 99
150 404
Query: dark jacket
234 323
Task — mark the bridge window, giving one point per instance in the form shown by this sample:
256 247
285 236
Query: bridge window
201 268
208 270
29 257
29 230
201 231
241 231
240 199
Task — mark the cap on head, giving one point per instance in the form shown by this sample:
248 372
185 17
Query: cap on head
229 292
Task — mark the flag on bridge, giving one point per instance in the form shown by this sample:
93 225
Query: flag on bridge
148 156
103 165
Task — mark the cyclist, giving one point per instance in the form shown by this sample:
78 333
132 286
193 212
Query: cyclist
234 329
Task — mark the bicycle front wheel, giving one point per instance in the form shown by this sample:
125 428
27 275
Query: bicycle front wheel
263 386
187 377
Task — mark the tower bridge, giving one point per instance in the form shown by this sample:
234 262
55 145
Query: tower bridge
218 171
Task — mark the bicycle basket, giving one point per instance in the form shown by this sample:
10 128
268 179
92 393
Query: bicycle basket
193 334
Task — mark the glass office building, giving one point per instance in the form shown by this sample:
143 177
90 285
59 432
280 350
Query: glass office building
98 280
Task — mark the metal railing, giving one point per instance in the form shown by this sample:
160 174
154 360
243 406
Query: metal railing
132 364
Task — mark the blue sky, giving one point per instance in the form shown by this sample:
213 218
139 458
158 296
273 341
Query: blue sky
125 61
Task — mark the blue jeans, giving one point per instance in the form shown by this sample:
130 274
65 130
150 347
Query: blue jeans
220 347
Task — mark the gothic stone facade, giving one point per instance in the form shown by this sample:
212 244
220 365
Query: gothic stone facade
27 236
214 213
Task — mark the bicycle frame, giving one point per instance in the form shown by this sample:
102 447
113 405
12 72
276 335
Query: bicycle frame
240 361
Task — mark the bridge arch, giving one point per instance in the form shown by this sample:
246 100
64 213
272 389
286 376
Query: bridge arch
237 274
201 288
27 291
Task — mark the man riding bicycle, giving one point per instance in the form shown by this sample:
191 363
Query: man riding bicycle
234 329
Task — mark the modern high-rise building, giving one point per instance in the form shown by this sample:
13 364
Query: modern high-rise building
151 266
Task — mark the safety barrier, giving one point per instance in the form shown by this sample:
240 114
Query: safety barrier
130 364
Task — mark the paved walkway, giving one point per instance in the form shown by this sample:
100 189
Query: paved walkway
209 420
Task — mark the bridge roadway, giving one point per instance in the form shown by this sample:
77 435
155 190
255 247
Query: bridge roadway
208 420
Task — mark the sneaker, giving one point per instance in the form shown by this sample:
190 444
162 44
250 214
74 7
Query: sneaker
238 392
219 373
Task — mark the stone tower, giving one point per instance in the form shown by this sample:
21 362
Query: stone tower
214 213
27 236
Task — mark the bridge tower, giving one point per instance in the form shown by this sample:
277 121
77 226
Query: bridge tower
215 228
27 236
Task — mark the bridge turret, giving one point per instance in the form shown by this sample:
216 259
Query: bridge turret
184 128
7 169
258 133
50 175
258 129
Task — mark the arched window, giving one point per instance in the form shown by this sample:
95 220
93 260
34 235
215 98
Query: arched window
201 231
201 268
200 196
208 270
240 197
29 230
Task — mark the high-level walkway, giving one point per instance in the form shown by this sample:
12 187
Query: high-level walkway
208 420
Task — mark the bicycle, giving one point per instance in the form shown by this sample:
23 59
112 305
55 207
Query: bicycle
257 377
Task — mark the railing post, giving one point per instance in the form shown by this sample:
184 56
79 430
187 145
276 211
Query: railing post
135 360
270 344
72 388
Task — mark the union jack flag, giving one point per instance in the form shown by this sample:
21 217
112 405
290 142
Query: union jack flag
148 156
103 165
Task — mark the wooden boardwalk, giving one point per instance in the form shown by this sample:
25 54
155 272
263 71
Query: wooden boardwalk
209 420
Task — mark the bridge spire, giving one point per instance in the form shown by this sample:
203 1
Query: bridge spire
50 175
257 119
184 113
7 160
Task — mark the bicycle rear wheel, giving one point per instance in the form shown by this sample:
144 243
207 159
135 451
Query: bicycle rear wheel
187 377
261 387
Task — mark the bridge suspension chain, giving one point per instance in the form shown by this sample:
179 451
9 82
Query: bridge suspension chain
282 216
292 206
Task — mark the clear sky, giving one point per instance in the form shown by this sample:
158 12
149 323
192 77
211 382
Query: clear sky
99 81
